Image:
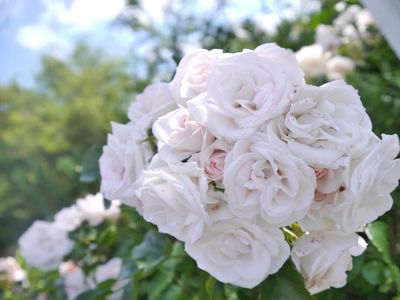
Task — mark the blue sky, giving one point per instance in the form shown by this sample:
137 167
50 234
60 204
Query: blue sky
30 28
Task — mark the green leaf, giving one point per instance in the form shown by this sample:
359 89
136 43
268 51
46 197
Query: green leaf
378 233
94 294
90 164
210 283
284 285
151 250
374 272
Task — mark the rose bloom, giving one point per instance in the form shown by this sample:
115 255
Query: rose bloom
212 159
324 257
247 89
326 36
239 252
364 194
68 218
124 158
93 211
313 60
44 245
111 270
191 75
10 270
174 197
179 136
338 66
325 124
263 179
154 102
74 279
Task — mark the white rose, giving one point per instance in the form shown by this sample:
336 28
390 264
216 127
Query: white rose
324 125
212 159
44 245
92 209
124 158
192 73
154 102
247 89
364 194
112 270
68 218
239 252
173 198
324 257
264 179
326 37
338 66
364 19
347 17
74 279
313 60
114 211
179 136
11 270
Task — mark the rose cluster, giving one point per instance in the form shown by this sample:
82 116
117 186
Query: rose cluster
47 245
325 57
248 165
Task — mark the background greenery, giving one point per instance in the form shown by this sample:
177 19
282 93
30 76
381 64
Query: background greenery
46 131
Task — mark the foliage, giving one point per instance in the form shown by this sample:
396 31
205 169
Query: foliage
46 131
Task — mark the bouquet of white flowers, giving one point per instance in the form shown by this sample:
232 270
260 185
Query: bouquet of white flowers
248 165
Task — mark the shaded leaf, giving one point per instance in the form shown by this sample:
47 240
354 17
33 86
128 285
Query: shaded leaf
374 272
378 233
284 285
151 250
90 164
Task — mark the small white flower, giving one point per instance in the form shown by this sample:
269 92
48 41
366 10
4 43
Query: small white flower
326 36
324 257
238 252
313 60
338 66
11 270
75 281
68 218
44 245
92 209
111 270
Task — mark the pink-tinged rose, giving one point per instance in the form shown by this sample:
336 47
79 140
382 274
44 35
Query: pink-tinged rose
179 136
192 73
239 252
358 193
122 162
154 102
262 179
324 257
174 197
247 89
212 159
325 124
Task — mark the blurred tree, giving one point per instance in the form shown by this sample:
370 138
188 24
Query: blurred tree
45 133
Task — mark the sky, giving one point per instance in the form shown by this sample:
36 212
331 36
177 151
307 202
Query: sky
31 28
